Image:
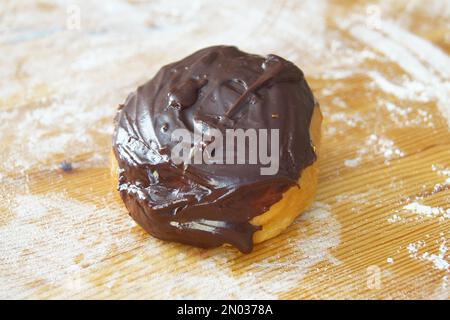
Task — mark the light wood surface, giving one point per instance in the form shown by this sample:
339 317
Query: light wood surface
380 225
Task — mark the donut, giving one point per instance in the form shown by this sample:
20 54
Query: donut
219 148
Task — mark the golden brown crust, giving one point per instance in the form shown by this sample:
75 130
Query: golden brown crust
295 200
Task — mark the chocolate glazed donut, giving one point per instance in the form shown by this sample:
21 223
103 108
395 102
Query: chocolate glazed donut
224 88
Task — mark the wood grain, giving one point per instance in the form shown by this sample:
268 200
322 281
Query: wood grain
379 228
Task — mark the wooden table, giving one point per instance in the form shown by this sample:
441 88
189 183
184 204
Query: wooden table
380 224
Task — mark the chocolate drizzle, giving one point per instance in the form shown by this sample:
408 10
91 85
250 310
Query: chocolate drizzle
218 87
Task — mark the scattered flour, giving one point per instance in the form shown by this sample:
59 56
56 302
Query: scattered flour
352 121
428 68
208 278
424 210
439 260
339 102
442 172
407 116
352 163
394 218
52 236
403 88
442 291
385 147
358 198
376 145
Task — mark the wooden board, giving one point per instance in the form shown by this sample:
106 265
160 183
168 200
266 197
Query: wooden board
380 224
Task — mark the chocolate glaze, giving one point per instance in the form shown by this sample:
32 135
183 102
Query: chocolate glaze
219 87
